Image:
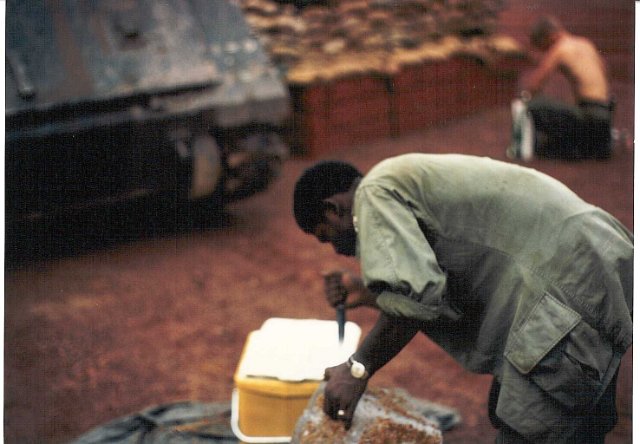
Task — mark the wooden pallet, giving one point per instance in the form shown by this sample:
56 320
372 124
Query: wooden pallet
357 109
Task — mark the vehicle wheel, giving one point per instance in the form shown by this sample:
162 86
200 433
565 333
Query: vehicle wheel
204 201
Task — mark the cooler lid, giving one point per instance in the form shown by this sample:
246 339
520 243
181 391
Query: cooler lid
296 349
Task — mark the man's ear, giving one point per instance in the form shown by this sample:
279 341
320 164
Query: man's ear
331 204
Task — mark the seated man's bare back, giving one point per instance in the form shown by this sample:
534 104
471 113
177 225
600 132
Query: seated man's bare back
578 59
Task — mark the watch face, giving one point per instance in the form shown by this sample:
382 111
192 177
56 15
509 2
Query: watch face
357 370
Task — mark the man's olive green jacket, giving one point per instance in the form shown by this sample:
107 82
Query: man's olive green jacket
511 271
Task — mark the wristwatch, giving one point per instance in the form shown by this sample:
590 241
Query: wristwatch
358 370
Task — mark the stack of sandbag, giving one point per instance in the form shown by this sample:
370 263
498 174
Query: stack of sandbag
330 39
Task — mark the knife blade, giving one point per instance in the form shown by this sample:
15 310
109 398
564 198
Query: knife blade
341 318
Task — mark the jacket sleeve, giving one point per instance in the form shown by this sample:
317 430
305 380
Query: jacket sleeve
397 262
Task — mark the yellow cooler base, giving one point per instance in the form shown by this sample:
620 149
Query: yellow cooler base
281 367
266 410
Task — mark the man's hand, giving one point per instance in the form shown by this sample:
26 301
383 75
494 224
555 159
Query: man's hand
342 287
342 393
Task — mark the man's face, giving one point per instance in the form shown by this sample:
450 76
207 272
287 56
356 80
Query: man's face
338 231
544 43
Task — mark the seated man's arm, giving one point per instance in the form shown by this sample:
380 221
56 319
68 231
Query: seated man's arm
534 82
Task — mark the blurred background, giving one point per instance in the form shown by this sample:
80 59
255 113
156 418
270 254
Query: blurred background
151 150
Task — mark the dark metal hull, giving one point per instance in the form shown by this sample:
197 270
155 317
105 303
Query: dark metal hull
108 100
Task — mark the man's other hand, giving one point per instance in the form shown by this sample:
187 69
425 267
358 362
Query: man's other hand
342 393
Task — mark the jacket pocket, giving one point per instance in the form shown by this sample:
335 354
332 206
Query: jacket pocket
546 325
544 350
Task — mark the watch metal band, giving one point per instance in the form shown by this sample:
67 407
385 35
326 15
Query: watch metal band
358 370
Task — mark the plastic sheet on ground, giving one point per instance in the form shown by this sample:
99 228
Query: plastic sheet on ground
199 423
182 422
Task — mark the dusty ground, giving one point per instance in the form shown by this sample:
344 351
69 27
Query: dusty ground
112 311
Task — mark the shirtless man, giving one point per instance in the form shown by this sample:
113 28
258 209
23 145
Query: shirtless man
576 57
580 130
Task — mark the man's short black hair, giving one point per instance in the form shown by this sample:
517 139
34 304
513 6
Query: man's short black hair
318 182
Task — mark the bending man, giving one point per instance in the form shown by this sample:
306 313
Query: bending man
504 267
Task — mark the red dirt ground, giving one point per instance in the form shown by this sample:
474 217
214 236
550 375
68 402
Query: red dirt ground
108 317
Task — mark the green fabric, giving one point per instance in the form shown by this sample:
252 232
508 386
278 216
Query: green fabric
548 323
471 246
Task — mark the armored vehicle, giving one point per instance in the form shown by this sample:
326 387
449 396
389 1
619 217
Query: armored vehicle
110 100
